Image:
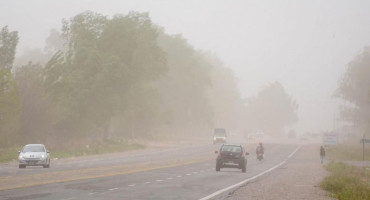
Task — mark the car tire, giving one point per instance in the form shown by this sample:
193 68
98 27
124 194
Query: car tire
244 168
22 166
47 166
218 167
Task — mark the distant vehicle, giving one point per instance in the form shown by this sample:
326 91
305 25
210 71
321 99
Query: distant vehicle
34 155
231 156
256 135
219 135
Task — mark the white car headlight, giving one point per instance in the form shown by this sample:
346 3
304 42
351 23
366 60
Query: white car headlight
21 157
42 156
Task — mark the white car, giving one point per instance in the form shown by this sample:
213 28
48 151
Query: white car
34 155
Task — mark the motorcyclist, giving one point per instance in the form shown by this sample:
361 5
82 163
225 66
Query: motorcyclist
260 150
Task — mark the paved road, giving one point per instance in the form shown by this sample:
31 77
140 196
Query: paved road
174 173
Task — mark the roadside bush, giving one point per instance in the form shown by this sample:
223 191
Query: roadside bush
347 182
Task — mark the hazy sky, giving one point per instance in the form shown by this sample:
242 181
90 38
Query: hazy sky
305 45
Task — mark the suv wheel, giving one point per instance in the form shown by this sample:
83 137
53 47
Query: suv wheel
218 167
244 168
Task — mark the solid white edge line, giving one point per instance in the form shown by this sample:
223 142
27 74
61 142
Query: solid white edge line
249 179
294 151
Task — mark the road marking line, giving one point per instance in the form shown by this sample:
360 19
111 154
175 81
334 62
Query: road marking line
113 189
169 178
147 182
131 185
188 174
159 180
249 179
294 151
91 193
179 176
86 177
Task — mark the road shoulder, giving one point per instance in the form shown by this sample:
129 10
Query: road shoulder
299 178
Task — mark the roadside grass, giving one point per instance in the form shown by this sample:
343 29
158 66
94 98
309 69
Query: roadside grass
350 151
9 154
95 147
347 182
77 149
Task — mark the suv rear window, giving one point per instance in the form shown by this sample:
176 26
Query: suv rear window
231 148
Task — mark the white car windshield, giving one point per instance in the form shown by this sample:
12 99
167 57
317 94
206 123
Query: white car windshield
33 148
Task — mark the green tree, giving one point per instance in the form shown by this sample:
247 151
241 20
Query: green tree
186 106
271 110
354 87
8 44
35 121
228 106
105 59
9 100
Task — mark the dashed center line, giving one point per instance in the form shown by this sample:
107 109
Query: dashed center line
148 182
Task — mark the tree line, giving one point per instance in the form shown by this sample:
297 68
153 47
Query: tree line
105 77
354 89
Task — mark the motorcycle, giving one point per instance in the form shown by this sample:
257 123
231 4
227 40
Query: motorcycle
259 156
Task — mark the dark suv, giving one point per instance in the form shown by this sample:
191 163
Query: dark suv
231 156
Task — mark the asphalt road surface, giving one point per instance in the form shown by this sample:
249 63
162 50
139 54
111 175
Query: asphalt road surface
170 173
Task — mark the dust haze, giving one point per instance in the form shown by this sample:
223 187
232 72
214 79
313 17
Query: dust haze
95 70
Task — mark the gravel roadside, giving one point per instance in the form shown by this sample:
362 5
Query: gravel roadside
299 178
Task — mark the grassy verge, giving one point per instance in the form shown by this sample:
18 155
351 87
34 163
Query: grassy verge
95 147
348 152
9 154
347 182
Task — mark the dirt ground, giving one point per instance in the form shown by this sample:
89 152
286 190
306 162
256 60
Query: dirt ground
299 178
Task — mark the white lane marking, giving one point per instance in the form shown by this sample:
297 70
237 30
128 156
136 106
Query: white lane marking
147 182
188 174
113 189
159 180
132 185
91 193
290 155
249 179
169 178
